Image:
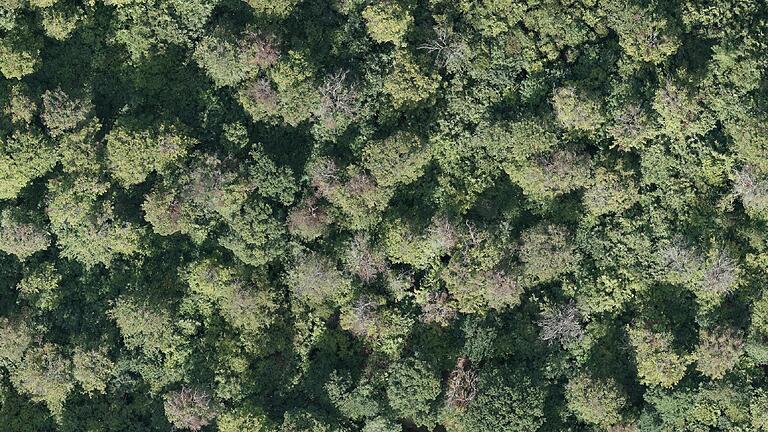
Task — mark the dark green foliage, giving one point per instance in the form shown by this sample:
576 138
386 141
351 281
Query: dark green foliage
412 391
507 401
383 216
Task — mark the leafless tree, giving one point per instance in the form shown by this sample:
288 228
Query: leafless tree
324 176
337 98
362 260
446 47
752 190
364 314
189 408
560 324
680 259
462 384
442 233
721 274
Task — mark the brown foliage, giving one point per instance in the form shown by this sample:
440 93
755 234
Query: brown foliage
438 309
462 385
263 94
308 220
261 50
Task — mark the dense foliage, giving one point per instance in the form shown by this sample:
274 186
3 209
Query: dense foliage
382 216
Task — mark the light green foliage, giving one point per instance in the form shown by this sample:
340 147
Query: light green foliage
46 376
9 10
92 369
556 174
42 3
289 96
398 159
144 327
270 179
476 276
143 26
20 106
80 151
533 163
302 420
354 193
658 362
492 18
387 21
315 281
412 391
273 8
610 193
524 139
718 351
63 113
546 253
760 315
229 62
86 228
133 154
15 337
22 235
242 300
750 142
244 419
39 286
631 127
595 401
254 236
644 35
383 215
757 342
19 53
380 424
60 21
406 84
383 328
576 111
710 278
403 244
758 408
211 191
707 408
681 110
354 401
24 156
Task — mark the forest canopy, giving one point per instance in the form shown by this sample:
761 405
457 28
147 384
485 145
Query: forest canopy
383 215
